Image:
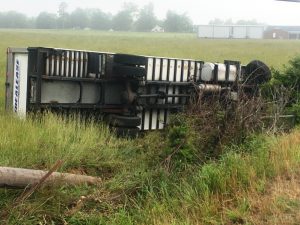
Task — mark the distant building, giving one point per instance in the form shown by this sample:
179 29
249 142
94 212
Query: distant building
158 29
282 32
248 32
231 31
275 33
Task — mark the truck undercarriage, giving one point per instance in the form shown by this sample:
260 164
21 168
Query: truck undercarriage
132 93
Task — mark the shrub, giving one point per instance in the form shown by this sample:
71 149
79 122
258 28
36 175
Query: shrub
288 83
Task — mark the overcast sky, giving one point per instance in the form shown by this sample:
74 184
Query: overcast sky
200 11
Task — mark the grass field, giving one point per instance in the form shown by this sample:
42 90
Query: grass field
136 188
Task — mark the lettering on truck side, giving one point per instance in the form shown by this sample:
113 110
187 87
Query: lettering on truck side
17 86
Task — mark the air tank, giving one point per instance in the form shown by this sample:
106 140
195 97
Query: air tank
208 72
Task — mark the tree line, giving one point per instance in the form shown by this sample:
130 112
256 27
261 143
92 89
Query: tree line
218 21
129 18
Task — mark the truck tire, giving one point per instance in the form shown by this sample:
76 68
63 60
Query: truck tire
131 132
130 59
123 121
257 73
128 71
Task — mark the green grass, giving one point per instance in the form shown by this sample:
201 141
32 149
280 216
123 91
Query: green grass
137 188
273 52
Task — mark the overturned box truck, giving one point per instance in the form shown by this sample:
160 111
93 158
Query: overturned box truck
133 93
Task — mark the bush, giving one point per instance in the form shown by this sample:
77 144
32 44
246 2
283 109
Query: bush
288 83
289 77
203 131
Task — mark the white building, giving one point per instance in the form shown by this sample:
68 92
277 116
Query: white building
158 29
231 31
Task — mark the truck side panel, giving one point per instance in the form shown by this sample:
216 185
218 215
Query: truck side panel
20 84
16 81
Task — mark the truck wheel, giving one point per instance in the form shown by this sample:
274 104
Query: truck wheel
129 71
131 132
123 121
130 59
257 72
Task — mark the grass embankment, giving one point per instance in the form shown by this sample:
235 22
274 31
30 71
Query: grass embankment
138 187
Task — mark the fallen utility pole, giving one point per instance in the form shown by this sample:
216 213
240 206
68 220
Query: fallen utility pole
22 178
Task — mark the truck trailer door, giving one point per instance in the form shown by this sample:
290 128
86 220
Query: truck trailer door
16 81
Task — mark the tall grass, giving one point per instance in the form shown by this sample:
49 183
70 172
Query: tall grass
216 193
39 142
137 188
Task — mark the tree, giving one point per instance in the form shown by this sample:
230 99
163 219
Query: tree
62 14
100 20
132 8
2 20
216 21
13 19
229 21
177 22
248 22
46 20
123 20
146 19
62 9
31 22
79 18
